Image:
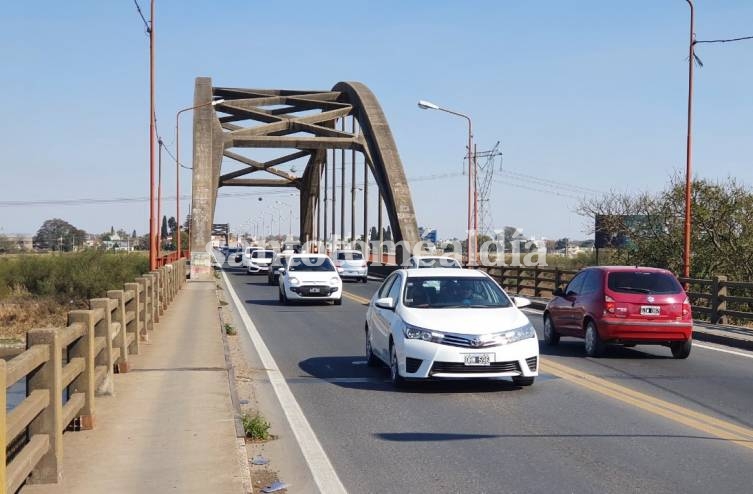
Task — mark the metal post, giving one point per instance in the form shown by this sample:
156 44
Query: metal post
326 192
334 196
688 150
159 199
152 235
379 226
353 186
342 187
366 206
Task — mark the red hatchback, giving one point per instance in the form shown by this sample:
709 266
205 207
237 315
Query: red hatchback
621 305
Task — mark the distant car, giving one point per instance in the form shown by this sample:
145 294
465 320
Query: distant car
449 323
351 264
280 261
433 262
310 277
260 261
624 305
246 259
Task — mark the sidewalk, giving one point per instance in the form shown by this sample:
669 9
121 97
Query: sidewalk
169 427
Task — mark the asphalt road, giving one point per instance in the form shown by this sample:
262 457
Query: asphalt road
634 421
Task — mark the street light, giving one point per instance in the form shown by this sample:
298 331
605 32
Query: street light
290 218
178 165
472 198
688 149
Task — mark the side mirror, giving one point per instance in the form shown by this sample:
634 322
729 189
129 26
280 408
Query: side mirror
281 270
559 292
385 303
521 302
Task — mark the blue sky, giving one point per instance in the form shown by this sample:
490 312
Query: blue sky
583 93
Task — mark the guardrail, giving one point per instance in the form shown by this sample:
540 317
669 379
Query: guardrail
717 300
66 368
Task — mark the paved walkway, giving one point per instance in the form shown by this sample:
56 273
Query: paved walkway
169 427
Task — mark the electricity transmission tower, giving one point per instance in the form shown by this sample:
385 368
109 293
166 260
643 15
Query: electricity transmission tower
484 179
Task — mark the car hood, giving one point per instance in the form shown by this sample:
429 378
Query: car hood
322 277
464 320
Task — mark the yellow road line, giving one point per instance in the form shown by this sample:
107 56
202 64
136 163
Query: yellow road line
356 298
699 421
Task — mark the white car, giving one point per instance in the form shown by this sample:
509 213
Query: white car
260 261
438 323
246 259
310 277
433 262
350 264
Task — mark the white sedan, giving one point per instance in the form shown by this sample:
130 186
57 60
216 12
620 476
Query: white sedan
434 323
310 277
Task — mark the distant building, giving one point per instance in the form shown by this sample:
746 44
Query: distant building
21 241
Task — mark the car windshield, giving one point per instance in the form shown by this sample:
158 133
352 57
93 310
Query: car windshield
437 262
643 282
349 256
441 292
267 254
310 264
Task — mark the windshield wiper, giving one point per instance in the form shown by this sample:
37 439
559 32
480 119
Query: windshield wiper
634 289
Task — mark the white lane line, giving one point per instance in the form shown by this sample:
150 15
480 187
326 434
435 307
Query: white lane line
321 468
695 344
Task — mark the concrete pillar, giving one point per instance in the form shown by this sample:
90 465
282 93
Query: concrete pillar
204 184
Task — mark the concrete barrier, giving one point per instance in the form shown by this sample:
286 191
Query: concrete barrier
66 368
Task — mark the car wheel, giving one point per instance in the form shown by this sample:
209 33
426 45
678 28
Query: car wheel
371 359
551 337
283 297
270 281
338 301
594 346
365 279
681 349
522 380
397 380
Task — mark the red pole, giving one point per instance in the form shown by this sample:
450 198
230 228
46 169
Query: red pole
471 252
159 202
688 151
177 182
152 235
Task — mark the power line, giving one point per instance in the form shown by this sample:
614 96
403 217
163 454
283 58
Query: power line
141 14
723 40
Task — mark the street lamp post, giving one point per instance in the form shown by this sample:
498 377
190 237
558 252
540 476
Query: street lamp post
472 203
688 150
178 163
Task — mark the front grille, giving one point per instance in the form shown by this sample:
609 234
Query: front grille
466 341
412 364
533 363
305 291
460 368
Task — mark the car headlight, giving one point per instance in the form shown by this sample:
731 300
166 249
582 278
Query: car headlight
294 281
517 334
416 333
334 281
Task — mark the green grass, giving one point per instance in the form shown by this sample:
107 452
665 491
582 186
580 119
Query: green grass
74 276
256 427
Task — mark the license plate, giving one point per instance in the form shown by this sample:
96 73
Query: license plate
478 359
650 310
314 290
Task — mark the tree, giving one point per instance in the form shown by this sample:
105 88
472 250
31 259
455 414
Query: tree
164 228
112 230
649 228
57 234
373 234
387 233
133 235
171 224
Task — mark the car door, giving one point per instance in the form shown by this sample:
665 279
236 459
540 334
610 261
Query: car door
585 300
381 319
562 308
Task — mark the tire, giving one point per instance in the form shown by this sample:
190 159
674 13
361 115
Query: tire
270 281
284 298
397 380
338 301
522 380
365 279
681 349
594 346
371 359
551 336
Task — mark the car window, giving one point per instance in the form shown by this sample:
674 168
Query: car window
263 254
643 282
592 283
318 264
576 284
395 289
385 288
349 256
452 292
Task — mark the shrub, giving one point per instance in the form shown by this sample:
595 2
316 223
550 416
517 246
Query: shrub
255 427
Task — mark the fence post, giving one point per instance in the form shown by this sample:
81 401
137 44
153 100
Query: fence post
49 421
718 299
120 340
84 347
103 329
536 273
557 278
518 274
3 425
145 314
134 327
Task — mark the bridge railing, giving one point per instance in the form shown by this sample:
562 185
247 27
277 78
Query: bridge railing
717 300
66 368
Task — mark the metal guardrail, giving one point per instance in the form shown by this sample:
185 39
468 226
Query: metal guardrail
66 368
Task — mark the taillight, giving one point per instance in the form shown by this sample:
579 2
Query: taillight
686 309
609 305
